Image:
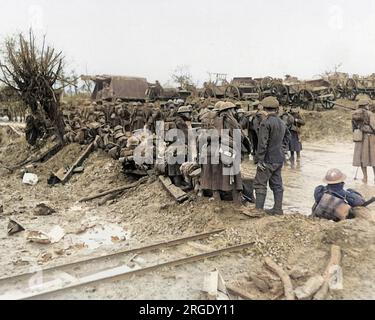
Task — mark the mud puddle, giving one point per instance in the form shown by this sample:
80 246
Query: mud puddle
316 159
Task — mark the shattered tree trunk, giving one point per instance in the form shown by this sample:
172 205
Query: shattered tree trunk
33 73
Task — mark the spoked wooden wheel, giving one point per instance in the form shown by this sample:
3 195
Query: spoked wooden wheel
209 93
266 83
232 92
280 91
351 94
351 89
306 100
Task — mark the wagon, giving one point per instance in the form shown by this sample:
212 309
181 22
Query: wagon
360 85
243 88
338 81
313 92
306 94
213 90
118 87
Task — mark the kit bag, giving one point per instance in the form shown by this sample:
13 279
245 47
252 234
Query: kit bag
357 135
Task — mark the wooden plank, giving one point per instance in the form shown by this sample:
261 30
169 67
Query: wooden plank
78 162
178 194
115 191
49 153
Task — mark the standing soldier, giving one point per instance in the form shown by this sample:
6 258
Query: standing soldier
138 117
181 122
254 125
295 131
270 155
364 138
156 116
214 176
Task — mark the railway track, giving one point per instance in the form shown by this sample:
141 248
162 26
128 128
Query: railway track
42 283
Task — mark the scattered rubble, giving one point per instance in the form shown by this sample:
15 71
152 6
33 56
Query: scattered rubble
30 179
14 227
42 209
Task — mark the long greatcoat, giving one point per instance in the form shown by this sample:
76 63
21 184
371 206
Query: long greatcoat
364 151
212 176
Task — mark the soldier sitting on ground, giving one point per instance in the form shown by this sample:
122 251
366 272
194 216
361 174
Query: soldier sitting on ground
332 201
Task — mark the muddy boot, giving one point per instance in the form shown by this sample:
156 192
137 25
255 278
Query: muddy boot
236 197
177 181
292 161
260 199
278 206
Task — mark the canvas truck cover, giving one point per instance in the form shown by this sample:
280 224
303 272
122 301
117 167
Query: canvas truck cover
118 87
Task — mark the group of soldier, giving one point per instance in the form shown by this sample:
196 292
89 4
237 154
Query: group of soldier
270 135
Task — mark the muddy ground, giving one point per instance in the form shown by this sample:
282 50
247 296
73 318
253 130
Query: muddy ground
148 214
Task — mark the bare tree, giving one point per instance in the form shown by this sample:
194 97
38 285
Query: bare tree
34 72
182 76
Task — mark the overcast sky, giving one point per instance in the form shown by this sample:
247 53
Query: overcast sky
150 38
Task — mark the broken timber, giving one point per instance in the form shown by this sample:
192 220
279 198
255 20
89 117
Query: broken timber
115 191
334 260
288 287
42 158
239 292
78 162
122 272
14 130
178 194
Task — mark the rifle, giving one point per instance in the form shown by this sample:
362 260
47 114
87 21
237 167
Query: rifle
368 202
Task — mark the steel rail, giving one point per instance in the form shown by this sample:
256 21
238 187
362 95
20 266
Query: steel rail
119 274
124 252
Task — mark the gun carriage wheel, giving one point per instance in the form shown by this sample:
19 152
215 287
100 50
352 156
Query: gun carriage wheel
266 83
351 89
232 92
281 92
306 99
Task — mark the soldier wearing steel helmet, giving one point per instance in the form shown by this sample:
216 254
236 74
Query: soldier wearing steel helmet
138 117
181 122
183 115
332 201
214 177
273 135
363 124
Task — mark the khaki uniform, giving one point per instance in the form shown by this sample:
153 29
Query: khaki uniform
212 177
364 151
